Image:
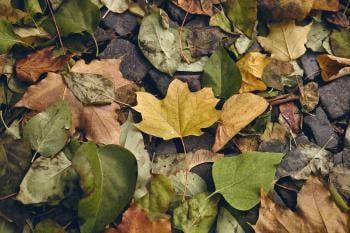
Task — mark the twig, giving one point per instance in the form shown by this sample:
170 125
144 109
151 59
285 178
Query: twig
282 99
56 26
180 34
7 196
187 170
284 187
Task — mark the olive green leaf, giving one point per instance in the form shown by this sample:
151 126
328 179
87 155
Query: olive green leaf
48 225
47 132
340 43
7 36
227 223
239 178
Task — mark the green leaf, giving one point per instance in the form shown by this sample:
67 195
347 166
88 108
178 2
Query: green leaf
108 178
222 74
48 225
3 161
318 33
47 132
132 139
243 14
74 17
227 223
196 215
161 193
195 184
220 20
117 6
7 36
90 88
340 43
239 178
47 180
159 42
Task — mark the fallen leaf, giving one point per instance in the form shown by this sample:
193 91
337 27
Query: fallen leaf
181 113
333 67
197 6
243 14
251 67
326 5
284 10
237 112
286 40
220 20
309 96
47 180
49 225
196 214
189 184
274 131
117 6
247 144
136 219
7 36
227 223
277 73
159 42
339 178
9 13
109 68
316 213
290 113
30 68
239 178
339 43
221 74
318 33
47 132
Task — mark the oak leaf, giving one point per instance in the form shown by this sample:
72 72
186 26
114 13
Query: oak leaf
197 6
32 66
136 220
252 66
286 40
316 213
237 112
333 67
181 113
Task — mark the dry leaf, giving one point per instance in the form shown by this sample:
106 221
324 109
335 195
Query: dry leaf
109 68
326 5
32 66
136 220
274 131
247 144
286 40
181 113
252 66
237 112
197 6
316 213
290 113
100 123
203 156
309 96
333 67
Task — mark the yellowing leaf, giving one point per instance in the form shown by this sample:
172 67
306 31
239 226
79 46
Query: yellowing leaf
181 113
252 66
316 213
286 40
237 112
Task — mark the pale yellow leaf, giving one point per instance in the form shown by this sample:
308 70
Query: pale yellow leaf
181 113
237 112
286 40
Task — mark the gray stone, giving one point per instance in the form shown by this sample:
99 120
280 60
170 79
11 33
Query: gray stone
321 129
159 80
273 145
123 24
342 158
310 65
335 97
347 138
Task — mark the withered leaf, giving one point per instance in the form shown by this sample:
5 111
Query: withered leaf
197 6
326 5
31 67
316 213
291 114
309 96
333 67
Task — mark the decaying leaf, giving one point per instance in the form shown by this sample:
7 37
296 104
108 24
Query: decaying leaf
277 74
309 96
237 112
290 112
326 5
189 184
318 33
252 66
333 67
9 13
316 213
32 66
136 219
117 6
339 178
274 131
197 6
7 36
220 20
247 144
340 43
181 113
286 40
227 223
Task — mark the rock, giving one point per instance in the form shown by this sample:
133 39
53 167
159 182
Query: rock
123 24
194 143
273 145
159 80
347 138
335 97
310 65
133 66
342 158
176 13
193 80
321 129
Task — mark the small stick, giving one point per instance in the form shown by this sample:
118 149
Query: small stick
283 99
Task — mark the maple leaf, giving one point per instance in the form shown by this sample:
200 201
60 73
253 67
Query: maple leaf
237 112
286 40
136 220
333 67
181 113
32 66
197 6
252 66
316 213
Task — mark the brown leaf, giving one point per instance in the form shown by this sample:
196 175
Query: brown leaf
237 112
109 68
247 144
333 67
316 213
100 123
136 220
291 114
309 96
197 6
203 156
326 5
32 66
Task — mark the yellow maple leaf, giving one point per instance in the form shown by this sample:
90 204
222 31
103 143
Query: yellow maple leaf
181 113
251 67
286 40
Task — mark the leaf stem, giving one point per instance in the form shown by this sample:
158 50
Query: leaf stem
180 34
3 121
95 42
56 26
187 170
